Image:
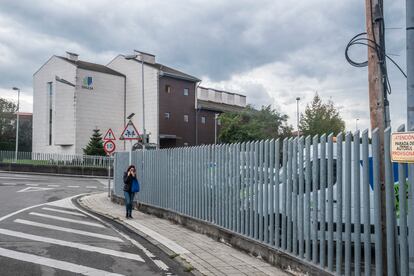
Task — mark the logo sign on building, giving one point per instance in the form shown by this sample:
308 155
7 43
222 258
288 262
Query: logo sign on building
130 132
87 83
109 147
109 136
402 147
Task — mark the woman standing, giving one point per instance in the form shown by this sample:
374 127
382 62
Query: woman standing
130 188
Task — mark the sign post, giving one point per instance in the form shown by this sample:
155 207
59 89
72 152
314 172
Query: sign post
109 148
130 133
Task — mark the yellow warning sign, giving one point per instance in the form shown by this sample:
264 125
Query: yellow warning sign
402 147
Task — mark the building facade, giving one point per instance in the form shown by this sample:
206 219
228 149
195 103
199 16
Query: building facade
72 97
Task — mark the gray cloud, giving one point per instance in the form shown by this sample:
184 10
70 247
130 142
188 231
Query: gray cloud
300 46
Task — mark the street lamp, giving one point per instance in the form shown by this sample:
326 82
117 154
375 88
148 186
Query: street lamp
297 114
215 127
17 123
356 124
143 97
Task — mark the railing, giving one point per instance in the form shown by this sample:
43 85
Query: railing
74 160
311 197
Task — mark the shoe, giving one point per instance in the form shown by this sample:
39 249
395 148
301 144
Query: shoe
130 217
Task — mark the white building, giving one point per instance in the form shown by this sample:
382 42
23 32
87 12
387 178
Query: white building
70 99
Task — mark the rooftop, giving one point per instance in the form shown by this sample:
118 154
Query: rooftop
92 66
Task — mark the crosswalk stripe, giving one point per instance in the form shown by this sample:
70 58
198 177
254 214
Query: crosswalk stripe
73 186
64 212
72 244
69 230
68 220
75 268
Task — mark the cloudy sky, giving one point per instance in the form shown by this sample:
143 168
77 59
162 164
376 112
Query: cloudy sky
271 51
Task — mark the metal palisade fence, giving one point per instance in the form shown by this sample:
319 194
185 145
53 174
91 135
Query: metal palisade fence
75 160
317 198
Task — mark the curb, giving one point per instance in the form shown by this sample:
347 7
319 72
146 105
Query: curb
187 267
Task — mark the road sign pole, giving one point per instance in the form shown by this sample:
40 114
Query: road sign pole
130 152
109 175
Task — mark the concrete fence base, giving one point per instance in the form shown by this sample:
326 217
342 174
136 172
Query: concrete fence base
54 169
271 255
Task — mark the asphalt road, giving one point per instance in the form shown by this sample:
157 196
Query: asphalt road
43 233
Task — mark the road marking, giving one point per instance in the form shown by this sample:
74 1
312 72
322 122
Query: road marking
64 212
91 187
75 268
53 185
161 265
163 240
69 230
8 184
32 185
68 220
73 245
34 189
61 203
73 186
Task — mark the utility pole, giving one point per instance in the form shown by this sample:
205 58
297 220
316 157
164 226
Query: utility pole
374 21
410 122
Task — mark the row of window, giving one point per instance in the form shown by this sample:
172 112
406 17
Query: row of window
167 115
168 90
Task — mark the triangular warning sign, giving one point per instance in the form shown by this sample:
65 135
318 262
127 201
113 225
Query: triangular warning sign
130 132
109 136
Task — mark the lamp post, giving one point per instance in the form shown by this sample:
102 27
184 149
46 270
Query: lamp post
297 114
215 127
143 96
17 123
356 124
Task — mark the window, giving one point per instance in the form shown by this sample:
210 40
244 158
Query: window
186 118
167 115
185 91
50 99
168 89
203 120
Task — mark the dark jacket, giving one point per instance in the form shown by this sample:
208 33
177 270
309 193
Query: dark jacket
128 182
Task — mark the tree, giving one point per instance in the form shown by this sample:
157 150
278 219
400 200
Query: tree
321 118
7 124
95 145
251 124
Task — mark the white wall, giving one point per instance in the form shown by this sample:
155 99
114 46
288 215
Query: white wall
100 107
47 73
132 70
64 126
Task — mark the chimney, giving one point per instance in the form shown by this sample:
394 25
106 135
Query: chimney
72 56
149 58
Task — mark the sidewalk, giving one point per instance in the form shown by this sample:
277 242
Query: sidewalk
204 254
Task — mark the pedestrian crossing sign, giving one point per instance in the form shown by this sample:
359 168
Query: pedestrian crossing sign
109 136
130 132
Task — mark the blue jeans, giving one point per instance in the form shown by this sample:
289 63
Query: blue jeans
129 199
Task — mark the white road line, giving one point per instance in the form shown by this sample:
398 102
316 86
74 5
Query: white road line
34 185
53 185
69 230
68 220
161 265
163 240
66 202
9 184
91 187
73 245
73 186
75 268
64 212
